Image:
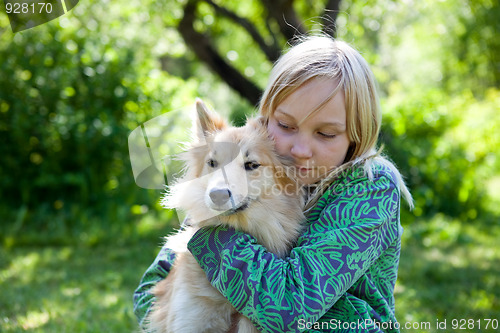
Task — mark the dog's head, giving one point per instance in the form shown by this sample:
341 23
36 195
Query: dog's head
230 170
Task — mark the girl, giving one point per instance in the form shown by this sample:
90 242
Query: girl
322 109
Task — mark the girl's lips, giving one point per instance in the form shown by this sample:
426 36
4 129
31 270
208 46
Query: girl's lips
303 169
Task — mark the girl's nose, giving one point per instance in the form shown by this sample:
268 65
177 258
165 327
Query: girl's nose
301 149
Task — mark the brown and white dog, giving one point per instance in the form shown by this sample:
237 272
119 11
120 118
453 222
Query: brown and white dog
233 177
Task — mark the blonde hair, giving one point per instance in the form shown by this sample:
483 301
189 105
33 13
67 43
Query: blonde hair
323 57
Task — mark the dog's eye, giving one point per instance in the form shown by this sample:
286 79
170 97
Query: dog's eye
251 166
212 163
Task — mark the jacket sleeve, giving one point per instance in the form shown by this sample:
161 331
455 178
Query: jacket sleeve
347 234
159 269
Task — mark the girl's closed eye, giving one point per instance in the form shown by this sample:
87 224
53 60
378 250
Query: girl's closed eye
327 135
284 126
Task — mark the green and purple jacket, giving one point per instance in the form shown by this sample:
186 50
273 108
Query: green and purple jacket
339 277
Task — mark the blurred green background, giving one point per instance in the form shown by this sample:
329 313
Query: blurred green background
76 232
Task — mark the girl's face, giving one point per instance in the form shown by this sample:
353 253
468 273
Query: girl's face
319 143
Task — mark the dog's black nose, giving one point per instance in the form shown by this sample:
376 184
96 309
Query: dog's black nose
220 196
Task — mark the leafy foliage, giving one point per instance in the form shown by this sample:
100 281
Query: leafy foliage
448 153
70 93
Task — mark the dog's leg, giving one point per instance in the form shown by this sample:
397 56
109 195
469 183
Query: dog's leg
246 326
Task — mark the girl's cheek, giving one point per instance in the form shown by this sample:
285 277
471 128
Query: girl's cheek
280 140
273 133
280 144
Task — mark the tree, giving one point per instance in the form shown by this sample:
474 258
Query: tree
281 22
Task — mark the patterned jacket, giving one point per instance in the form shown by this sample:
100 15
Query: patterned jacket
339 277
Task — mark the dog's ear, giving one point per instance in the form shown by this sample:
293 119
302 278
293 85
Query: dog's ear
206 121
259 124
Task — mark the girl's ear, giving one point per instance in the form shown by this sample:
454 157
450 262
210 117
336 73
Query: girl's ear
206 121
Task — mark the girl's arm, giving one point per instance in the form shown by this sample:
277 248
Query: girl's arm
143 298
352 225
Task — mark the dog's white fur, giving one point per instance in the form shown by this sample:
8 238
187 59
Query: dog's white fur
265 202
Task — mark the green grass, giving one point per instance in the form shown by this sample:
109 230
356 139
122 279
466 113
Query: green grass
449 270
70 289
80 287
